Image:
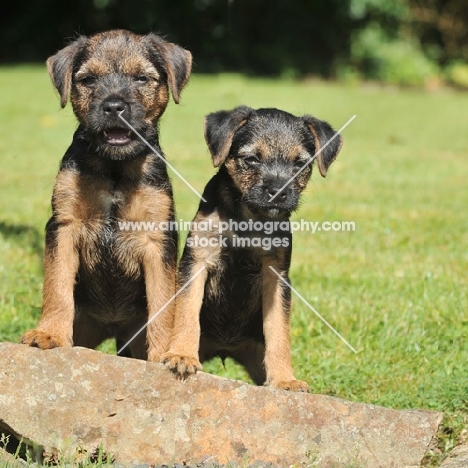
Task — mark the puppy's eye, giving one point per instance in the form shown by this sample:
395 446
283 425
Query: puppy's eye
252 160
300 163
88 81
141 79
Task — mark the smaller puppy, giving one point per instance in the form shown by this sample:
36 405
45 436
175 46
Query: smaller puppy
235 304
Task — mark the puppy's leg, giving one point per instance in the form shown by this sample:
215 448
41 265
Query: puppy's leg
60 267
155 253
138 348
150 338
182 357
87 331
276 308
160 290
251 355
131 343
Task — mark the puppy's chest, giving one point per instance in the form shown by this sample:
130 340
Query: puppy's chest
102 206
236 280
103 218
100 236
115 217
120 210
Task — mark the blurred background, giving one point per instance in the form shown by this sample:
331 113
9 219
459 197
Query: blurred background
403 42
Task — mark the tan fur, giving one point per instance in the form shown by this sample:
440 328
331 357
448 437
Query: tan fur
277 361
238 306
160 289
92 194
58 310
185 341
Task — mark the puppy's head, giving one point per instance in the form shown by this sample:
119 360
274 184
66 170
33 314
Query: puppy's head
118 72
269 154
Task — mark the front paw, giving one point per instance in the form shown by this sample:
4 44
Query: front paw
181 366
291 385
43 340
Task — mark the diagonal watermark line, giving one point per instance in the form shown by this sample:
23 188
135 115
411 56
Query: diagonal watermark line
159 155
313 310
161 309
312 158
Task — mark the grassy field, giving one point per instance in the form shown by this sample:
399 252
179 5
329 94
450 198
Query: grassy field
395 288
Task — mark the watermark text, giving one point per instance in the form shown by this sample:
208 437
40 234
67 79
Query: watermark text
265 227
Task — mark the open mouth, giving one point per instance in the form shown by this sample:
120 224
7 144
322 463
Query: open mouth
271 210
117 136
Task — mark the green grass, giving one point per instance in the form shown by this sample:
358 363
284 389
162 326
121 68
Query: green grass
396 288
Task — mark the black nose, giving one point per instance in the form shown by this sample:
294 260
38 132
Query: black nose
278 192
112 108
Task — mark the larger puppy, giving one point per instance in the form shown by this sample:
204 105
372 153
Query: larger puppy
102 281
232 300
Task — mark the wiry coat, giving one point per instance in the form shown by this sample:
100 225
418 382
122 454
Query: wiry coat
100 280
238 303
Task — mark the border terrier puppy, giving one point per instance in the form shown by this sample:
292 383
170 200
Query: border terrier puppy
101 281
235 304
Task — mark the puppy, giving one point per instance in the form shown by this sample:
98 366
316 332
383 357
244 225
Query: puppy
100 280
232 300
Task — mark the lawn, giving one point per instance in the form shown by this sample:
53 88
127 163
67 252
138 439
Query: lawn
395 288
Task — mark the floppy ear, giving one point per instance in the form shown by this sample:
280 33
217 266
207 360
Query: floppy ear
60 67
220 128
177 62
327 150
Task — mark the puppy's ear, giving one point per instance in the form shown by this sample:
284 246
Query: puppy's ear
220 128
323 133
177 62
60 67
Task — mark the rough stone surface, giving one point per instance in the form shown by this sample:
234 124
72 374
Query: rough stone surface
74 397
458 458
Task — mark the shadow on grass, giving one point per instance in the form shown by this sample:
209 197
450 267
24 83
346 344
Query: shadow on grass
24 236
